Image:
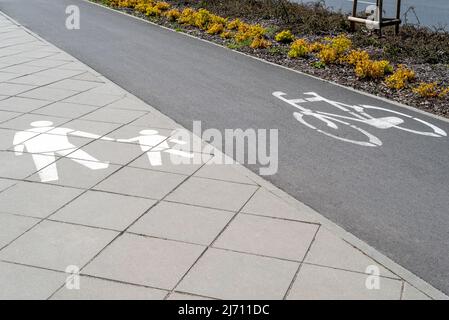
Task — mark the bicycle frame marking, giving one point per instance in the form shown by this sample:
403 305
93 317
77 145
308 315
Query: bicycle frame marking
357 114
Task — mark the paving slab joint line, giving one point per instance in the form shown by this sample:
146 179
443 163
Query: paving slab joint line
82 193
405 274
211 245
357 243
121 233
86 276
295 276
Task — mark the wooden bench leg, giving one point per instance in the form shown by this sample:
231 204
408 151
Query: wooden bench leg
380 17
354 14
398 16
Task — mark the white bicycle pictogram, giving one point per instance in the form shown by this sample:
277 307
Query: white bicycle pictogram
358 114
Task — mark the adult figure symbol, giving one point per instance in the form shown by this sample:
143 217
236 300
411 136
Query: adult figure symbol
44 142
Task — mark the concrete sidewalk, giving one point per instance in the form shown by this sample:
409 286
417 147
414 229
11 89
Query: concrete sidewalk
142 231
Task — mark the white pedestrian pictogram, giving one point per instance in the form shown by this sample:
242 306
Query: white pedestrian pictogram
44 142
154 144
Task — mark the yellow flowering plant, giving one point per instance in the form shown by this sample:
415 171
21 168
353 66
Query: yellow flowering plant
444 93
215 28
187 16
356 56
328 55
234 24
427 90
372 69
172 14
153 11
299 49
202 18
163 6
400 78
260 43
285 36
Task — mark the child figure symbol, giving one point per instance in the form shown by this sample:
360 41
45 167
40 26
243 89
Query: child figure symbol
154 144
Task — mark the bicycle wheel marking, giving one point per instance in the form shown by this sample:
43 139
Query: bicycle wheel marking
358 114
373 141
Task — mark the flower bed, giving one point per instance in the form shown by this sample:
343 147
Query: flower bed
335 57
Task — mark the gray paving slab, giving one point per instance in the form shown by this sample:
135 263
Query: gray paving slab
266 203
35 199
95 127
67 110
225 172
5 184
57 72
12 60
12 226
37 54
267 236
88 76
19 104
56 246
73 65
4 76
38 81
46 62
213 193
22 70
95 99
184 296
322 283
27 283
129 103
109 89
16 167
113 115
329 250
154 120
104 210
99 289
182 222
51 94
72 84
126 259
141 183
7 138
411 293
24 122
71 173
8 115
62 56
114 152
13 88
229 275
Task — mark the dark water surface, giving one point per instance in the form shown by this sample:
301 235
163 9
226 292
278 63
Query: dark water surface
429 12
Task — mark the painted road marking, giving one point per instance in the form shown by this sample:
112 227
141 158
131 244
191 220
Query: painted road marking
44 142
358 114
